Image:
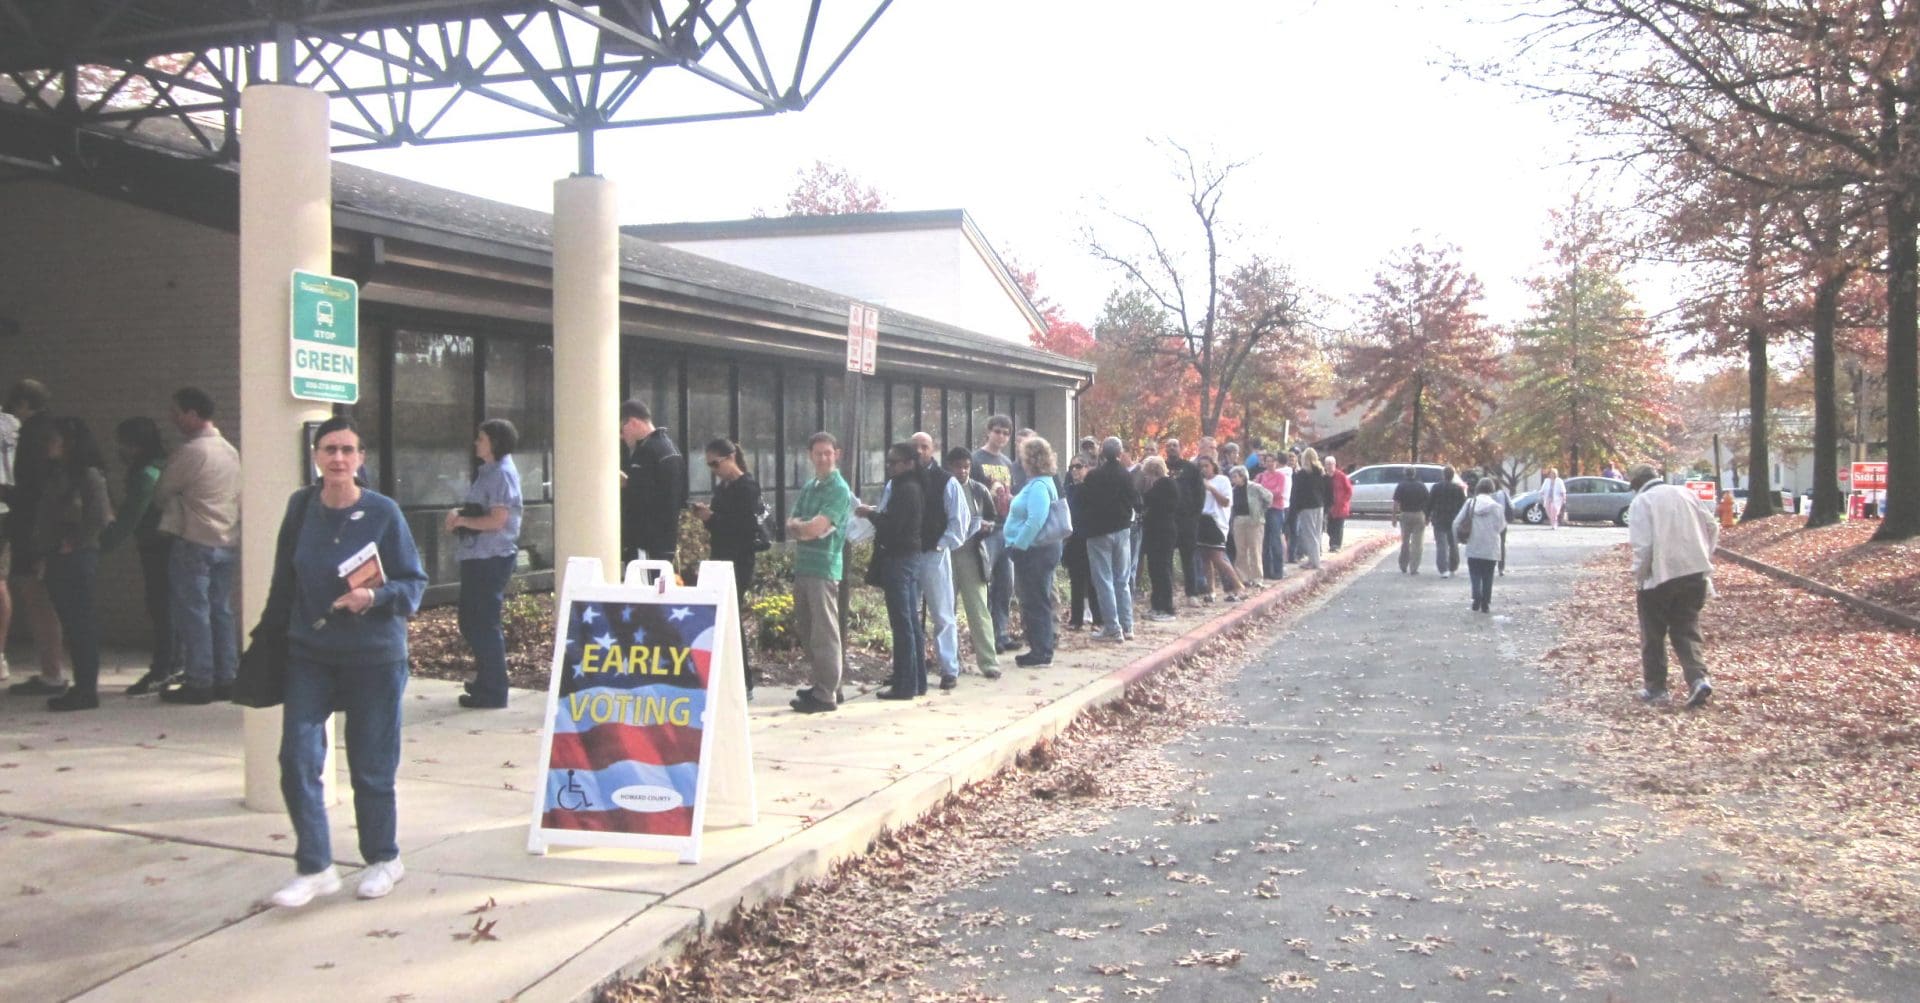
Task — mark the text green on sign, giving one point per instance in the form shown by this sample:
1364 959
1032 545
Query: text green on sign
326 338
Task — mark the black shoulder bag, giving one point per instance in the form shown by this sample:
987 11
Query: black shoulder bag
261 678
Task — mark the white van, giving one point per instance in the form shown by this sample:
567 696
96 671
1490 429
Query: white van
1373 486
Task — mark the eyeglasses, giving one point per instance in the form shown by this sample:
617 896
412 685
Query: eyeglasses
713 464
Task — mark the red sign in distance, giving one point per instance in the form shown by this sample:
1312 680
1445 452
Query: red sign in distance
1702 490
1870 476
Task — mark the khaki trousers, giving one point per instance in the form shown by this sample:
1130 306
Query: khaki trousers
816 619
971 589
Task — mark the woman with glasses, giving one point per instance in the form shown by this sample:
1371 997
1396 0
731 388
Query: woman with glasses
346 650
732 519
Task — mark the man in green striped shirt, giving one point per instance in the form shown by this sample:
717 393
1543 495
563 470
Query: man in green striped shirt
818 524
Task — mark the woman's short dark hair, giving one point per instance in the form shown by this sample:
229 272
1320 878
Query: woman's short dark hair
337 423
81 449
958 454
140 434
501 436
723 446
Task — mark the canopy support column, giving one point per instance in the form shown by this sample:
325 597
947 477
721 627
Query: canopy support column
586 372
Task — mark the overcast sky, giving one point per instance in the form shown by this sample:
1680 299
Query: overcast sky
1034 114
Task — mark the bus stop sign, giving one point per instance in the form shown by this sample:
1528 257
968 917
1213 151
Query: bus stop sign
325 323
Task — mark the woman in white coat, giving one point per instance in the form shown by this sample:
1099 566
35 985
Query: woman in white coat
1553 496
1478 528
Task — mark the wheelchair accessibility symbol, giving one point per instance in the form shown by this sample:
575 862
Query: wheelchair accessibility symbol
572 796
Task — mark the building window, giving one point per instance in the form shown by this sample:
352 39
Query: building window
759 427
873 436
800 394
932 418
433 424
709 414
519 379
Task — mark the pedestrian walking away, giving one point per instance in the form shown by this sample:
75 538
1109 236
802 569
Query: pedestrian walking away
486 531
1481 523
1443 503
1410 499
1672 538
346 651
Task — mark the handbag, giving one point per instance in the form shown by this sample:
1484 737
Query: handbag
1059 524
1466 529
260 680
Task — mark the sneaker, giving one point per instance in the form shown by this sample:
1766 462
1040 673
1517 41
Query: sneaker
1653 696
1701 693
34 686
73 699
1159 616
1109 637
186 693
153 682
808 705
5 672
380 878
302 889
1126 635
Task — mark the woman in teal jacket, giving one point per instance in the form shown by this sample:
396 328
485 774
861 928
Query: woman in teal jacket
1033 565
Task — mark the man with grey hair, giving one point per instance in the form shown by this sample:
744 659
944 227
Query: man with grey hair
945 518
1672 537
1108 501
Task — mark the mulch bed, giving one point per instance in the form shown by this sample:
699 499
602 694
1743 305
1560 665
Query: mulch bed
1807 762
1843 556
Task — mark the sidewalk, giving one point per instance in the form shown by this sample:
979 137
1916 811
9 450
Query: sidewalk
135 873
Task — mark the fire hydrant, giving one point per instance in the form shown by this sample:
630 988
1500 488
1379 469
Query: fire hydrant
1726 510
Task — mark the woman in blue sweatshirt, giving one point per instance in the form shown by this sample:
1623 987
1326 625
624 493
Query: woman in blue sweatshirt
1034 563
347 650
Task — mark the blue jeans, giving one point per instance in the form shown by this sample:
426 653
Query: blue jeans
1134 556
1107 559
1480 576
202 581
370 696
1273 563
69 580
483 588
1000 586
935 571
1033 574
1446 549
900 580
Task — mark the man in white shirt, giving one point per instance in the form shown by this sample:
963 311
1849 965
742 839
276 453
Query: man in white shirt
199 499
1673 539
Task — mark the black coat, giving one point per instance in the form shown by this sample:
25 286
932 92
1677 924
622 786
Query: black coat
896 531
653 496
1162 503
731 531
1108 500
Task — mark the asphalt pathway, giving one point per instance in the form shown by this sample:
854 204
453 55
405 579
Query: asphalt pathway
1390 814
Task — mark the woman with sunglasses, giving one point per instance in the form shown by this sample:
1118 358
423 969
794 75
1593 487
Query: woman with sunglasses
732 519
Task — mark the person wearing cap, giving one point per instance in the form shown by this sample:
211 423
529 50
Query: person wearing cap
1672 539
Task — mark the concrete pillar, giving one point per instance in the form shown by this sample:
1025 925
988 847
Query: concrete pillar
286 222
1053 418
586 372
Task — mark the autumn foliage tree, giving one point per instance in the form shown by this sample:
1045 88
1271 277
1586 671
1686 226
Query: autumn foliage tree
1422 362
1588 383
829 190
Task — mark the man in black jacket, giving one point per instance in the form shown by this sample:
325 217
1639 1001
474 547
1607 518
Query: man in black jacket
1410 498
1186 525
1108 503
1443 503
653 486
896 558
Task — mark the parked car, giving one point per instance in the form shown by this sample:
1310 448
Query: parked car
1373 485
1589 499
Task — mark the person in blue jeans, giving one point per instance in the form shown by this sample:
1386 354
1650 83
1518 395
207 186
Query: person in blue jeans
199 499
1034 562
486 531
896 557
346 650
68 522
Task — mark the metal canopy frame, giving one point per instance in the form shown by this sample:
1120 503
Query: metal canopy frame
403 73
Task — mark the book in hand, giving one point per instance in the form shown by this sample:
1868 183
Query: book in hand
363 570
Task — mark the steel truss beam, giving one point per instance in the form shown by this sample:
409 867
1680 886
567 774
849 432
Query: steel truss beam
408 73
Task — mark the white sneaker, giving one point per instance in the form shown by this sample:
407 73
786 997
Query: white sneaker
302 889
380 878
5 673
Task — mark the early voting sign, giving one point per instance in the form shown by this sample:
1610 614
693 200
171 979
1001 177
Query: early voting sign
646 728
325 326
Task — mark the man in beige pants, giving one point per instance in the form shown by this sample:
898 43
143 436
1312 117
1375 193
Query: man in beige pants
1410 508
818 526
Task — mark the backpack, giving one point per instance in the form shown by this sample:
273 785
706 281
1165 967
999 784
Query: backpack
762 529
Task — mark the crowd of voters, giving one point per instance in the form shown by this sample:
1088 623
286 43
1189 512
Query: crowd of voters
964 532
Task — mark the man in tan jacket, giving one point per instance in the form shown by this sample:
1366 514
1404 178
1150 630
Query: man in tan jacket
199 499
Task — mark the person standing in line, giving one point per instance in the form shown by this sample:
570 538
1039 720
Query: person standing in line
896 556
1020 475
144 454
486 531
1483 520
991 466
1311 492
1108 504
1250 505
945 518
1034 562
68 521
9 442
1161 501
1553 496
970 560
1339 504
347 651
1187 481
1410 509
653 487
1672 538
199 499
1296 549
1215 518
733 520
1443 503
818 527
1277 478
1082 604
28 402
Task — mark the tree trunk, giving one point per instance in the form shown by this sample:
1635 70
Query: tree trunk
1419 391
1902 517
1760 502
1826 406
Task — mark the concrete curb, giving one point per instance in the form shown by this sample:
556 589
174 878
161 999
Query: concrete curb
814 852
1867 606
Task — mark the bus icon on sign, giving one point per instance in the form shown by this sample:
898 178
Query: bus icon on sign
323 313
